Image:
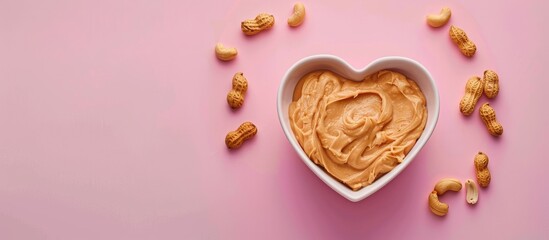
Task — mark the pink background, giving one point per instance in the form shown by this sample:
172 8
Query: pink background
113 119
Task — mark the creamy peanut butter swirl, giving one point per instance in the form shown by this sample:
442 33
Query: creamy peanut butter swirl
357 131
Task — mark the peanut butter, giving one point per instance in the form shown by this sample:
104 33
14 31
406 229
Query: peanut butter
357 131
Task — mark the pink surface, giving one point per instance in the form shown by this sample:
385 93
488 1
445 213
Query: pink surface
113 119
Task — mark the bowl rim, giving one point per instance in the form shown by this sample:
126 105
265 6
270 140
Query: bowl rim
337 186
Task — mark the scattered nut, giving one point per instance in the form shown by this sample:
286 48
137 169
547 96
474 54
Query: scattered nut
482 172
459 37
437 207
446 184
224 53
261 22
298 16
488 115
235 97
234 139
491 84
473 91
438 20
472 191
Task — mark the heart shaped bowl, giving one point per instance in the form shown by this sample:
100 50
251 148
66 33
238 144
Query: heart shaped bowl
411 68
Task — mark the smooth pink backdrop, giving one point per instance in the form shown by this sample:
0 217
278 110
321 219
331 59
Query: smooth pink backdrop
113 118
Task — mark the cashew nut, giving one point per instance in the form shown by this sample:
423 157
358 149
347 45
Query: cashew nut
298 16
224 53
438 20
437 207
472 191
446 184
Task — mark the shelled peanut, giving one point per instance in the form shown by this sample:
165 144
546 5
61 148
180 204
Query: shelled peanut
472 191
488 115
262 21
481 166
465 45
473 91
245 131
491 84
235 97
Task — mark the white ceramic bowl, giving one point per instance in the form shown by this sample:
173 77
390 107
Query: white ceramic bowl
406 66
